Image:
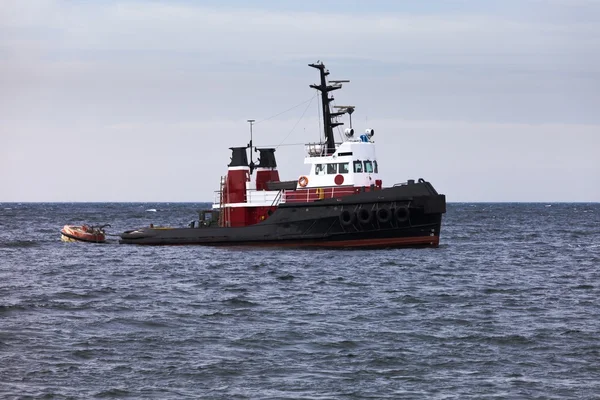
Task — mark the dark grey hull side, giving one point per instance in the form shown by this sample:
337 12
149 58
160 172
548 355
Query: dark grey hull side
352 221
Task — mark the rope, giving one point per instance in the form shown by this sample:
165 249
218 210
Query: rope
297 122
319 111
282 145
283 112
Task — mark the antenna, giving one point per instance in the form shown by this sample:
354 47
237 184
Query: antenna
251 122
346 109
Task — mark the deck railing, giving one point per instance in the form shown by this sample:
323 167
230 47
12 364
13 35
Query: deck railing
318 149
292 196
308 195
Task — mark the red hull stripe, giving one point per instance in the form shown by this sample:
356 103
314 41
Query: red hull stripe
433 241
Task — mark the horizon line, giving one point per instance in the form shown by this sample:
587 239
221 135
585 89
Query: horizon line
208 202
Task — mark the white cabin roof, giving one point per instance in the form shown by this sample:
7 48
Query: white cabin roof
354 160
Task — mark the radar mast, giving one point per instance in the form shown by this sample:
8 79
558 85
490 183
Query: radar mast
329 121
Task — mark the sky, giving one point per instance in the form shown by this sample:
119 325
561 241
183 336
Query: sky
140 100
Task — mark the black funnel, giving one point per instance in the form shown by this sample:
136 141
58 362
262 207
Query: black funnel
239 158
267 158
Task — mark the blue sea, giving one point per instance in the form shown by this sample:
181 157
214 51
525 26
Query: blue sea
508 307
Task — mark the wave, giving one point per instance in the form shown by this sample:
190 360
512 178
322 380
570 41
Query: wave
237 301
19 244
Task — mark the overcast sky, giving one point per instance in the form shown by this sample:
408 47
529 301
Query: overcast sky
140 100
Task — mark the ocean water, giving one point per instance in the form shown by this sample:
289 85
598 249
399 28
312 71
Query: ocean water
507 307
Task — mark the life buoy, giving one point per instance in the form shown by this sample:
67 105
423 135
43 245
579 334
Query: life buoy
364 216
347 218
303 181
383 215
402 214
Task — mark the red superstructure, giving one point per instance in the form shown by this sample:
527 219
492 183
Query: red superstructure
249 194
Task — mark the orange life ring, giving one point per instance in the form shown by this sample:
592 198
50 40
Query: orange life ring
303 181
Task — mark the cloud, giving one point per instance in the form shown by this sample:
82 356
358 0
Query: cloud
132 82
226 34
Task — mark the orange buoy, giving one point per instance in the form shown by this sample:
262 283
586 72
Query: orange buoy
303 181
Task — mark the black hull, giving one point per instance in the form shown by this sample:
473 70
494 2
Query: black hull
411 217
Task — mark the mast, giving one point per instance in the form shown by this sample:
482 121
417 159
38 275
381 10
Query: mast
324 88
251 122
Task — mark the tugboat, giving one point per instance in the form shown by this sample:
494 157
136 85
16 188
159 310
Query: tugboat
339 202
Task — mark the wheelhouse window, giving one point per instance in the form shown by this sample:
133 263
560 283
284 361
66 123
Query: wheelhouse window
343 168
332 168
375 167
319 169
368 167
358 167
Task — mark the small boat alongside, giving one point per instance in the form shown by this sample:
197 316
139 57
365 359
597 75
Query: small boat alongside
83 233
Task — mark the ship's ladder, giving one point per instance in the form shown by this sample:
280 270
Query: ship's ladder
225 211
222 201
